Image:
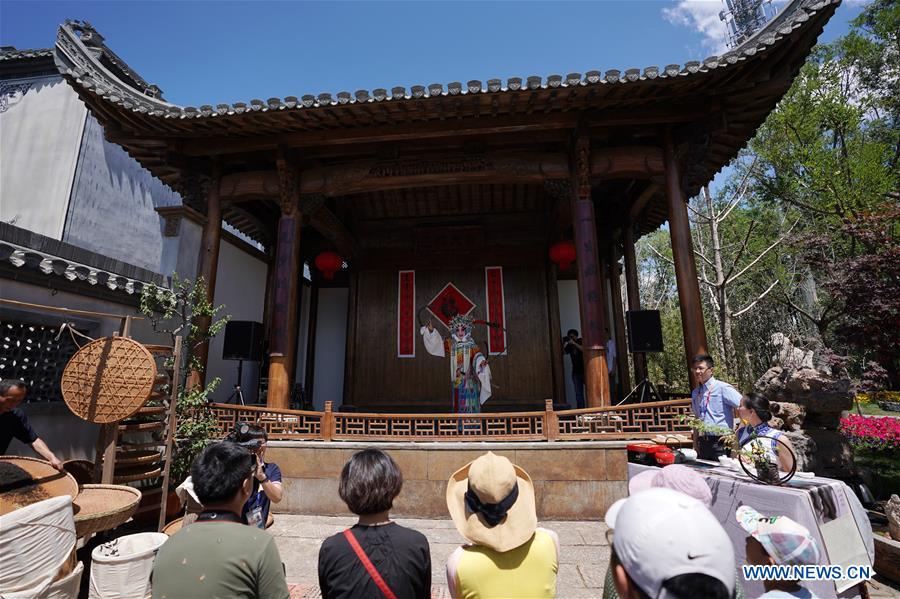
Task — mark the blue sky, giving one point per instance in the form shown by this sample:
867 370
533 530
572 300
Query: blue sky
211 52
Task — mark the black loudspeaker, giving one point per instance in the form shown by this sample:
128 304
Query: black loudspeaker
644 331
243 340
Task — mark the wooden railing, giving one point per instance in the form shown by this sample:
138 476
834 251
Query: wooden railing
633 421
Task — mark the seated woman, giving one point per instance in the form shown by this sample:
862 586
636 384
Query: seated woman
376 557
755 412
267 487
491 502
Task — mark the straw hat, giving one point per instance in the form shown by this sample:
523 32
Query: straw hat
501 492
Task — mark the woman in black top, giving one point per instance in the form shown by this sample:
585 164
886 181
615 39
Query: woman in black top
369 483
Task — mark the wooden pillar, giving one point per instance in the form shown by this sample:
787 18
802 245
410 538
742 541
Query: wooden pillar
350 350
634 297
692 324
556 334
615 286
207 268
288 271
590 295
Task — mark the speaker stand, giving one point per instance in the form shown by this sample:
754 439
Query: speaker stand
644 391
237 394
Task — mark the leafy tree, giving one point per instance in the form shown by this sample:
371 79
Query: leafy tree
182 311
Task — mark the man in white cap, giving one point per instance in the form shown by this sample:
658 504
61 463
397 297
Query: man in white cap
778 540
668 545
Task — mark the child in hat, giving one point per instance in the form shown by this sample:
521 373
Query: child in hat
491 502
778 540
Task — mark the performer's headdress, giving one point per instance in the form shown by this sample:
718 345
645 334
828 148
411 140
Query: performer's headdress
461 320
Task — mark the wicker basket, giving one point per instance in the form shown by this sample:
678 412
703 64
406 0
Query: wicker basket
24 481
104 507
108 380
82 470
126 459
136 473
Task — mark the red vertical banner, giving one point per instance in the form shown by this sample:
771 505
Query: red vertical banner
495 309
406 314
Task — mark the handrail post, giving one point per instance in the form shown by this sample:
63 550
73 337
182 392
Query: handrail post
327 422
551 422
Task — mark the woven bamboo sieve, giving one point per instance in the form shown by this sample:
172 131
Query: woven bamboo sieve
104 507
108 380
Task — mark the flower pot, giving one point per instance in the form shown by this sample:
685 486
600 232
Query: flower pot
766 471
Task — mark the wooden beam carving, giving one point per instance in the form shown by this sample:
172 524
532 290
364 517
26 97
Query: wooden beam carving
447 169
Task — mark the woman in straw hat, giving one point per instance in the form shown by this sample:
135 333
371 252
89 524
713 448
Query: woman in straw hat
491 502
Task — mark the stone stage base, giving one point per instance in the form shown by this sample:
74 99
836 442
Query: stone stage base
575 480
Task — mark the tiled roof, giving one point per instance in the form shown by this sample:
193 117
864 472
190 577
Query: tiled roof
82 66
10 53
25 249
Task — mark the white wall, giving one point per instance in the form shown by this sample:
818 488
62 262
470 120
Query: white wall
331 344
569 318
241 288
111 211
302 334
40 134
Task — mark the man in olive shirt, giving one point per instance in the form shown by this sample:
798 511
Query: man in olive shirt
219 555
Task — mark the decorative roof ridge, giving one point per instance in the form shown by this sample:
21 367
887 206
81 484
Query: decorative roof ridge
75 61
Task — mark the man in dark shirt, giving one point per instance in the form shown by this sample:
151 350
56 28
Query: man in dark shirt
14 422
572 346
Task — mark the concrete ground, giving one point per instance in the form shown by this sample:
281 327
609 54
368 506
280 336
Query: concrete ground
584 554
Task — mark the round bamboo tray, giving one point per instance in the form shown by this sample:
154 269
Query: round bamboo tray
108 380
126 459
136 473
104 507
81 470
24 481
174 526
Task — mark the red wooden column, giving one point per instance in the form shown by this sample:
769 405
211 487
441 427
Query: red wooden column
591 299
692 324
208 266
634 296
288 271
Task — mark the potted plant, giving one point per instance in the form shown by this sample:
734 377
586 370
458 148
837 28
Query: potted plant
183 310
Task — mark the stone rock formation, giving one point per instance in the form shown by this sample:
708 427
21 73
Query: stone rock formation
808 404
892 511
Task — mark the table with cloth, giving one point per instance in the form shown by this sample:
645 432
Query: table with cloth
816 503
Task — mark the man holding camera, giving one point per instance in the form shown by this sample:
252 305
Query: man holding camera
572 346
267 488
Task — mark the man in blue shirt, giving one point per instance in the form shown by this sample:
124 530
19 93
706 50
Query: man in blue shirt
713 402
14 423
267 488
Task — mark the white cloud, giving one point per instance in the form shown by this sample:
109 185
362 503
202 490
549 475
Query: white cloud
703 17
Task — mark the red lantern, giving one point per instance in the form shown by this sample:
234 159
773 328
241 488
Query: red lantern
563 254
329 263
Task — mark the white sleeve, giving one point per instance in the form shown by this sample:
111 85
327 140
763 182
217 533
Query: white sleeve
484 377
434 345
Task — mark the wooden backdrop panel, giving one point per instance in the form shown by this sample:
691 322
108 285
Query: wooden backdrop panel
381 380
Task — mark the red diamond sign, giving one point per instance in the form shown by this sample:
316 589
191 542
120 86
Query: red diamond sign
449 302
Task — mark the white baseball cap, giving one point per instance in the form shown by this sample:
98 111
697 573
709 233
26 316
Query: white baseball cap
661 534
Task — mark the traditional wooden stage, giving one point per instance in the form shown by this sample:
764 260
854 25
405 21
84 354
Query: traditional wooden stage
576 458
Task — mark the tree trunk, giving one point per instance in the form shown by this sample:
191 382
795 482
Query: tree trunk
724 312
